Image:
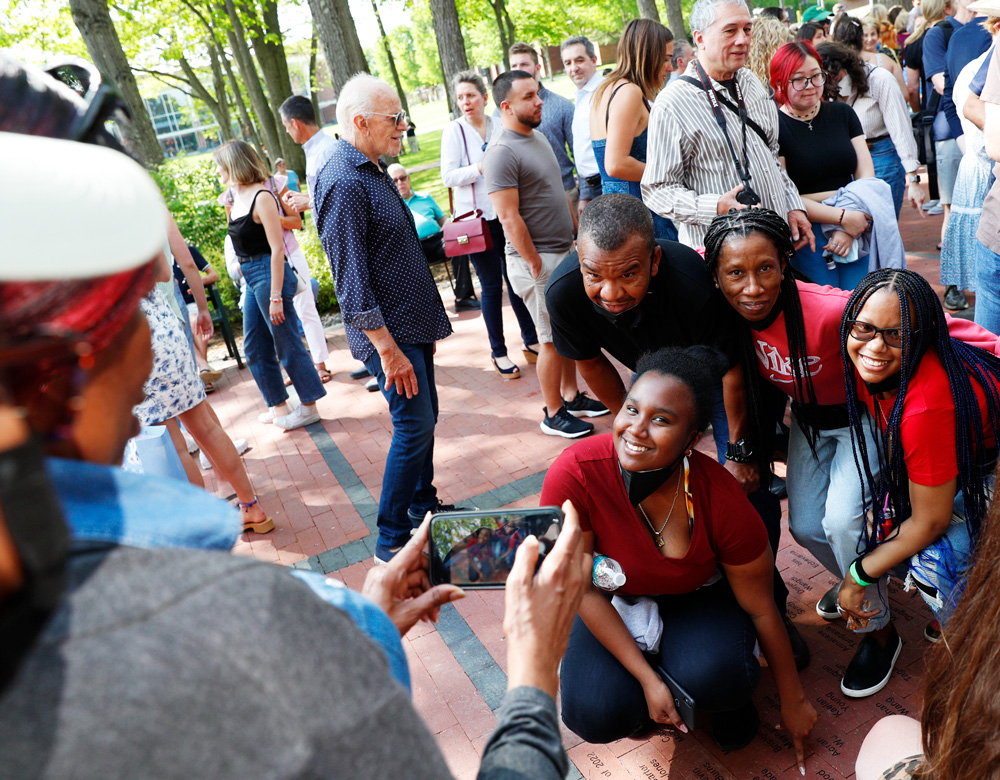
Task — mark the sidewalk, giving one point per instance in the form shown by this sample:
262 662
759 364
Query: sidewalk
321 486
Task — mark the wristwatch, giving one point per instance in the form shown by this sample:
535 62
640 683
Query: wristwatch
739 451
914 178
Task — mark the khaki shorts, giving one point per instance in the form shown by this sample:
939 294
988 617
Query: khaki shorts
532 291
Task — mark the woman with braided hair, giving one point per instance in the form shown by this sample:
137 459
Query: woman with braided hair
747 253
935 476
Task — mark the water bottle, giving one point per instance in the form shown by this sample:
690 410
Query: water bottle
608 574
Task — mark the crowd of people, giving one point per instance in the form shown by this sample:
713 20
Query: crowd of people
707 236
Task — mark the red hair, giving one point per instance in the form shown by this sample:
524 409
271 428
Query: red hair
786 60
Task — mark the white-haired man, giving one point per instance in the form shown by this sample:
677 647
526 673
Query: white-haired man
391 308
713 135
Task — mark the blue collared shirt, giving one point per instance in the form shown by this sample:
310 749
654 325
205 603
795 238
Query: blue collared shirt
379 270
557 126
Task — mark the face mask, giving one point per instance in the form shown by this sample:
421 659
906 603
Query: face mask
640 485
844 86
41 540
623 320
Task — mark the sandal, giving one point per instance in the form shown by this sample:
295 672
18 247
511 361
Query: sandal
324 375
263 527
209 388
513 372
530 353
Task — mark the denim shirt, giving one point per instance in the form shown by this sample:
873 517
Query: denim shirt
379 269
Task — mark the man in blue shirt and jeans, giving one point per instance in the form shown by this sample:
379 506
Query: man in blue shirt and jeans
391 308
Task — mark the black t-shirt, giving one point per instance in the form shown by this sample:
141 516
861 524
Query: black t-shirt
681 308
199 261
913 56
823 158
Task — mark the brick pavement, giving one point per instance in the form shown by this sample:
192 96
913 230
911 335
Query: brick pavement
321 485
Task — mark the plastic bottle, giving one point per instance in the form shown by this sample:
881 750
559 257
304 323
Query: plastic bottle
608 574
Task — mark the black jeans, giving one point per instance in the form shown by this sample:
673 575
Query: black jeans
707 647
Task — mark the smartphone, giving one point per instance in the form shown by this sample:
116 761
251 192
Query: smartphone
476 549
683 701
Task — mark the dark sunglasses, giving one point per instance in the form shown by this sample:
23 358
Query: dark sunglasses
864 331
398 179
104 103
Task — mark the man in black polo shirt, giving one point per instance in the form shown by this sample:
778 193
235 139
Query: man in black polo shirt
626 293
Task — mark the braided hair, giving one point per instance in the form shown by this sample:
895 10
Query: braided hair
920 308
741 224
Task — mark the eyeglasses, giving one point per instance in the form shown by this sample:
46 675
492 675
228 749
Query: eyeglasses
397 119
800 83
864 331
398 179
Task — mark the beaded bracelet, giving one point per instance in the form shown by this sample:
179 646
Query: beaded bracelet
860 575
275 300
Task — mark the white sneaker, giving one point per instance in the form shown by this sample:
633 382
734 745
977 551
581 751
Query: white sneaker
268 416
192 445
203 462
241 445
302 415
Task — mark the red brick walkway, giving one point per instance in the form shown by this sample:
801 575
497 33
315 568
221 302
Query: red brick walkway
487 439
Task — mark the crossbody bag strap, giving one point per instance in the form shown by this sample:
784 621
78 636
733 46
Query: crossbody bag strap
469 158
724 99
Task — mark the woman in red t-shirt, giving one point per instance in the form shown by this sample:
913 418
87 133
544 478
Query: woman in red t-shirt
705 560
936 475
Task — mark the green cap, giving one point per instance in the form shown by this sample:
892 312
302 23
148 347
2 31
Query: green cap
815 14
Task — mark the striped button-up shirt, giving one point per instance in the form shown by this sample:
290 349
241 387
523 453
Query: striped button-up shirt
883 111
689 165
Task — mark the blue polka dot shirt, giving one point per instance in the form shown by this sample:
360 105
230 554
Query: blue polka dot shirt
379 270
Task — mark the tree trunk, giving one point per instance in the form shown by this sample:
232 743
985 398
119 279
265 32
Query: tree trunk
544 47
313 84
219 110
249 129
219 83
647 10
451 44
270 53
675 18
506 29
392 62
93 20
258 101
339 39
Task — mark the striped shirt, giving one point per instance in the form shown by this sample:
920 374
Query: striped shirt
883 111
688 163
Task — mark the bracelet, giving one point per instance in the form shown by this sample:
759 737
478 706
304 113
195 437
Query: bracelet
275 293
860 575
275 300
841 220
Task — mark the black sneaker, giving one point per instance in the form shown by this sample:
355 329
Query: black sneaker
585 406
954 299
437 510
564 424
778 487
826 607
800 650
735 729
872 665
932 632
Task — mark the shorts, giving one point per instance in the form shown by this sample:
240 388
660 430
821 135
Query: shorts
948 159
192 309
574 197
532 291
588 192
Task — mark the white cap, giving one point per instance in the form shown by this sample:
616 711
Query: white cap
617 578
74 211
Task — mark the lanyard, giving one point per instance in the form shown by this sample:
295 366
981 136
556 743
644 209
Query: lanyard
720 118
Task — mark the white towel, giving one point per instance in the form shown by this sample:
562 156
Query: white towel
642 618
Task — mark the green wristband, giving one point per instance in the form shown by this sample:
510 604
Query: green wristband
857 577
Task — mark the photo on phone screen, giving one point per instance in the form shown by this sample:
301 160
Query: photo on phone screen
476 549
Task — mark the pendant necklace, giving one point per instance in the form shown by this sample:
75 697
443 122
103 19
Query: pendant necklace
657 534
802 117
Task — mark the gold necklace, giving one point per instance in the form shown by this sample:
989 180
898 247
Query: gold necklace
659 539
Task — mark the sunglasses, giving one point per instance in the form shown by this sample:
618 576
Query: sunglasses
398 179
397 118
864 331
105 106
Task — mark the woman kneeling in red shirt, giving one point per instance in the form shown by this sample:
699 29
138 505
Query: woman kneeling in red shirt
703 558
936 403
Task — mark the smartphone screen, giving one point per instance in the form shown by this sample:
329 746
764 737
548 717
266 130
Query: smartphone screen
476 549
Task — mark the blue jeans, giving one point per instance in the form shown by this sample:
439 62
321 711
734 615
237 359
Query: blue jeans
265 343
889 168
491 268
826 504
707 647
408 483
987 288
813 264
